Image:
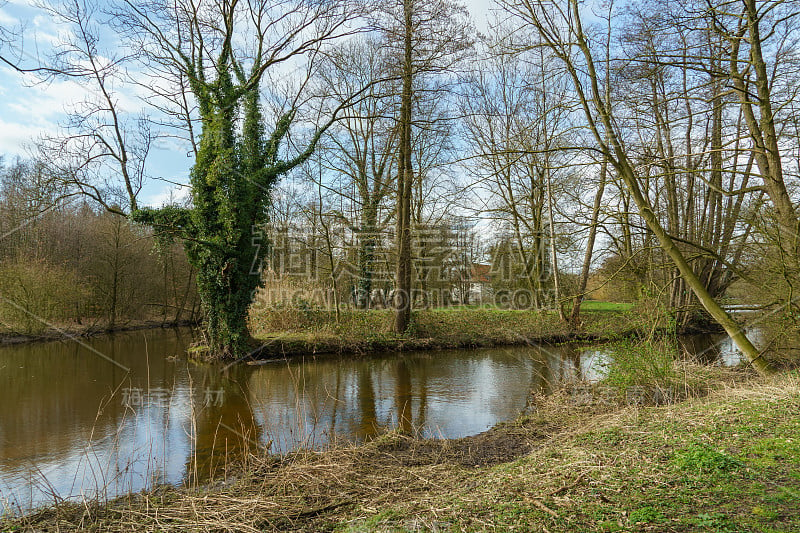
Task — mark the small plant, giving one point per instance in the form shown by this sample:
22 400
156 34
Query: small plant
716 521
644 372
645 514
701 459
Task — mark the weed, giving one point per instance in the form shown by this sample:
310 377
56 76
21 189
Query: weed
646 515
643 372
383 521
701 459
714 521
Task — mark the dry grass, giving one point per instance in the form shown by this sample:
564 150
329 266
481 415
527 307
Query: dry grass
290 331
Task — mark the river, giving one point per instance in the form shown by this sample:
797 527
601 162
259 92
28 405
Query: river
108 415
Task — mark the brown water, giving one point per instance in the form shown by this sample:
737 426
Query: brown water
117 413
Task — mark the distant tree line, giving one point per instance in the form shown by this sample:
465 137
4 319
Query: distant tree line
68 263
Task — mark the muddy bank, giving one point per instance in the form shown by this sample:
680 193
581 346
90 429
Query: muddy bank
91 331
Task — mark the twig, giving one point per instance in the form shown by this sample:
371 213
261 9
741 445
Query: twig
567 487
318 510
544 508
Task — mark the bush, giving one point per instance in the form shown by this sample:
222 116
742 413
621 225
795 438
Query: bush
649 372
36 293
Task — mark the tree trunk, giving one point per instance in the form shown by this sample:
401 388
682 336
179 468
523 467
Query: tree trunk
402 299
583 281
553 258
366 255
226 290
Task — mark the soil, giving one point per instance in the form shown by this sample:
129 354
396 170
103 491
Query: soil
497 445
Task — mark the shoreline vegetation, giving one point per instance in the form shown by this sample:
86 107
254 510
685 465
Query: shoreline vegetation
728 460
290 331
286 332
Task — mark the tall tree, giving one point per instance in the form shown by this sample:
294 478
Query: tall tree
429 37
362 147
222 51
743 25
515 122
237 162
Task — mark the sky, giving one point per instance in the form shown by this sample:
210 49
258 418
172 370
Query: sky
28 109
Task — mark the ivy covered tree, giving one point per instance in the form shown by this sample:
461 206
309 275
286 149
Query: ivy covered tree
231 182
237 161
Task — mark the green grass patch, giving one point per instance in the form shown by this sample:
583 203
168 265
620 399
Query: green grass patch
597 305
701 459
646 515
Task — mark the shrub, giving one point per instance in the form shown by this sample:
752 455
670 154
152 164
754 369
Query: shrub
649 372
36 293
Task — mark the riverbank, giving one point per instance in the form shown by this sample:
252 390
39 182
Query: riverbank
77 332
295 331
290 331
729 461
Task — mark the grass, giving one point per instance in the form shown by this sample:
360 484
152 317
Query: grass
70 330
286 330
597 305
729 461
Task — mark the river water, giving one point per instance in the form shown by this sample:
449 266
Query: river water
114 414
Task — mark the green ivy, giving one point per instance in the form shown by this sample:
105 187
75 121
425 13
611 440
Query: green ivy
235 169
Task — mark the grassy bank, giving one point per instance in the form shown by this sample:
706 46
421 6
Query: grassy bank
298 330
729 461
287 331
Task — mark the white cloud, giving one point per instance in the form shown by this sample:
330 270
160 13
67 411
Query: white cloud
14 137
169 194
480 12
7 20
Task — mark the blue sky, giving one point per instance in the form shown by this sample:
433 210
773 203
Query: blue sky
29 109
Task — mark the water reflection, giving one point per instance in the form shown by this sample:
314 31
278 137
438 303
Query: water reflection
71 423
593 365
445 393
718 348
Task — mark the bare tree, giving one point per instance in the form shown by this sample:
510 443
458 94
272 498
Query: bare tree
560 29
101 150
360 151
515 124
429 37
